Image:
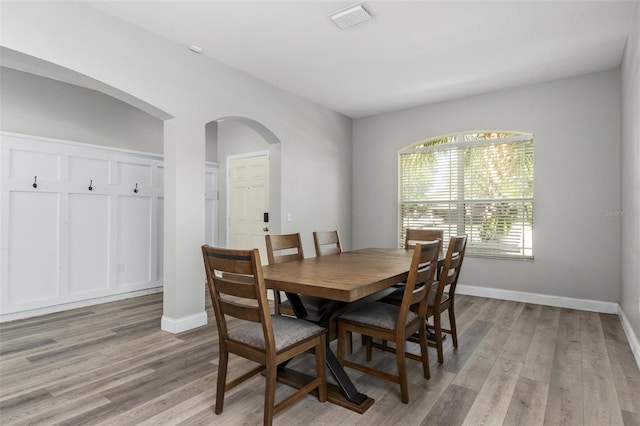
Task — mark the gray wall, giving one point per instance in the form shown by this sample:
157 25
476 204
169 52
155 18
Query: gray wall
41 106
196 90
576 125
193 90
630 296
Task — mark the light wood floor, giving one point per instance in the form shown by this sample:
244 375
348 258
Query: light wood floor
517 364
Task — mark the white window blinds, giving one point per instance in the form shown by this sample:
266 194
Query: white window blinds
474 183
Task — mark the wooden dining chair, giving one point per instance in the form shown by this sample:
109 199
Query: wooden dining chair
395 323
442 296
288 248
414 235
411 237
237 289
326 243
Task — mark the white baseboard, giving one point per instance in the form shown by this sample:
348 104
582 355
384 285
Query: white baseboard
631 336
75 305
178 325
540 299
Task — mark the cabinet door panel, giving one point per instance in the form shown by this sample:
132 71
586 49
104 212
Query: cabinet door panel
130 174
33 246
88 243
134 239
211 183
160 182
160 246
210 222
83 170
211 206
27 164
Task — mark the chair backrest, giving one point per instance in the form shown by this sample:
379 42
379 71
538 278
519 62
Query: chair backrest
413 236
424 264
237 289
284 248
326 243
451 268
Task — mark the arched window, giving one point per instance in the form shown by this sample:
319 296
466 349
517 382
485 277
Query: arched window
475 183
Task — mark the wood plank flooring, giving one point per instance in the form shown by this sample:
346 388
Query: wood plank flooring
517 364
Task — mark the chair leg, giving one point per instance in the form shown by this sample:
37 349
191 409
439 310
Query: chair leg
270 396
438 330
222 379
452 324
424 352
402 372
321 356
277 300
368 340
341 336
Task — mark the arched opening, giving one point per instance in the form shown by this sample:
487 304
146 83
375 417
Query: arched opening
32 65
234 137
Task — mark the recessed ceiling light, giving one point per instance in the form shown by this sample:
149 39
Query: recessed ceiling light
195 48
352 16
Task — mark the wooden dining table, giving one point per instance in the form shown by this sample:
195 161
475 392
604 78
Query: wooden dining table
348 279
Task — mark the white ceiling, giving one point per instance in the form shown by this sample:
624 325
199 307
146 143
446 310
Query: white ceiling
411 52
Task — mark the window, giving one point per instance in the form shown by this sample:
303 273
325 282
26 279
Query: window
474 183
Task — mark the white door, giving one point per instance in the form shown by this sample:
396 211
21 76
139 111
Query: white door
248 203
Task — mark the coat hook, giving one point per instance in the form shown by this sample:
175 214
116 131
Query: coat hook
91 185
35 182
135 189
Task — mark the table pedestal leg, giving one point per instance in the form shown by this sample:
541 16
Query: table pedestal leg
345 383
345 394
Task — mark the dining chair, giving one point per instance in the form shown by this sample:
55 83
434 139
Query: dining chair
414 235
326 243
442 296
395 323
288 248
237 289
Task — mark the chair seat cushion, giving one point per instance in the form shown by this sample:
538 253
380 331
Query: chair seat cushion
377 314
287 331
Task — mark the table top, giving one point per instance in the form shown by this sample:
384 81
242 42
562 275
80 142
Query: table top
345 277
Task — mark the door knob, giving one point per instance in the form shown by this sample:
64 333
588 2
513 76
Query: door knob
265 229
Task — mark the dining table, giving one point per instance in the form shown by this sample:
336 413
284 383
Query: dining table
348 280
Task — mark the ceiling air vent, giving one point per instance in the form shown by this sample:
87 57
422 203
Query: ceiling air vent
352 16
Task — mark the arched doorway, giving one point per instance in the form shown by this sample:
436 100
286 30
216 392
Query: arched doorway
234 139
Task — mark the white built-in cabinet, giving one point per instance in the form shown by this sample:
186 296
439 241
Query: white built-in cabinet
81 223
